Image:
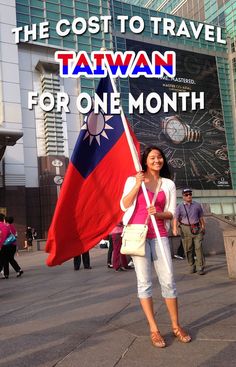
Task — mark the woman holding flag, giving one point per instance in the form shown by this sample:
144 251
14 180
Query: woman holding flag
155 174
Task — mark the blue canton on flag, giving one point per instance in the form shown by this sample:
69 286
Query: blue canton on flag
98 135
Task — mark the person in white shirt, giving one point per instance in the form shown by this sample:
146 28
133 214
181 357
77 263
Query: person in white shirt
155 168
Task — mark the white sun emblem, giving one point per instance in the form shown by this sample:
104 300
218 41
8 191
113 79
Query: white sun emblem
96 124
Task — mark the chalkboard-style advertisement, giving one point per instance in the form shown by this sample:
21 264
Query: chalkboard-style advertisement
193 141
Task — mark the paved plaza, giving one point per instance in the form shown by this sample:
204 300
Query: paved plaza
92 318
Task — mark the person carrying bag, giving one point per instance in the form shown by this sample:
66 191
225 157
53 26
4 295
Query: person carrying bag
155 172
189 221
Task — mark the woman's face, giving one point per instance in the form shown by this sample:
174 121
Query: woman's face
155 160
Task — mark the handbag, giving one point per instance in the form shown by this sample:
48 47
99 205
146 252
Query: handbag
134 235
133 239
194 228
9 240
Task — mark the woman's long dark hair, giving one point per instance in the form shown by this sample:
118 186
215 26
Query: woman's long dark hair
165 171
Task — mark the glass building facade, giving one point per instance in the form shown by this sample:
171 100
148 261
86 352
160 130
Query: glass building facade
36 11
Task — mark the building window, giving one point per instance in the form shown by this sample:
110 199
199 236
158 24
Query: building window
52 120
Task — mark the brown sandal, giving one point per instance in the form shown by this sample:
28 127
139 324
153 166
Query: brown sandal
157 340
181 335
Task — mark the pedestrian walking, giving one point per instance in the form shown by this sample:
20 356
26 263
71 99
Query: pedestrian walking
189 219
180 252
28 238
4 233
10 251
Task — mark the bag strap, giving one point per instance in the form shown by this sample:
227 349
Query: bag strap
157 191
187 214
154 197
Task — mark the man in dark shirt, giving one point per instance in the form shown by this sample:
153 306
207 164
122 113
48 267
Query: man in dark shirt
189 218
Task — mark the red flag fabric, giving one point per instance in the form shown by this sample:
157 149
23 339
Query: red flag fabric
88 205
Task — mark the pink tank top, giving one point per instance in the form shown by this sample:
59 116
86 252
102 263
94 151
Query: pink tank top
140 213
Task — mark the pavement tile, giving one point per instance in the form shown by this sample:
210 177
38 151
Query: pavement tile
56 317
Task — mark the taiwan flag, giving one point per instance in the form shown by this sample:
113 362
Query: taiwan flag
88 207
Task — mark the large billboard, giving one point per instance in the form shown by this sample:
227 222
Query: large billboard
193 141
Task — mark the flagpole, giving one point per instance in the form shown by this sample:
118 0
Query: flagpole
138 168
